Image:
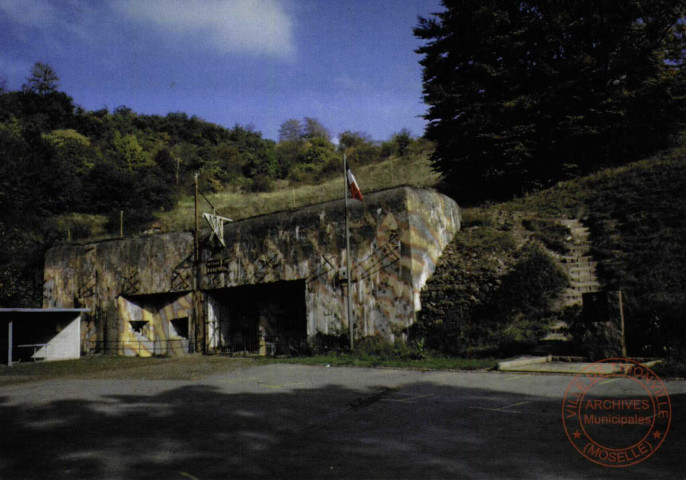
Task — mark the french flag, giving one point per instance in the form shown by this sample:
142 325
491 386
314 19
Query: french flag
352 185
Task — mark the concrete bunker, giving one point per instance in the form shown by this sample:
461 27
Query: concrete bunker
266 319
272 287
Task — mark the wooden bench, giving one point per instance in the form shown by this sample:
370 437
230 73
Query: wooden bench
36 347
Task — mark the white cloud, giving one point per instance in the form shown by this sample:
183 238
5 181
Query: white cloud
228 26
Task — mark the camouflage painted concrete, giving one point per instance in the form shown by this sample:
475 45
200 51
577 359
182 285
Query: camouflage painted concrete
397 236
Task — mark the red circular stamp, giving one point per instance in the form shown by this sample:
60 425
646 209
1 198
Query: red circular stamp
616 412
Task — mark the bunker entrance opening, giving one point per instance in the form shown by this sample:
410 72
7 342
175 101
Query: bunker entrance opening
266 319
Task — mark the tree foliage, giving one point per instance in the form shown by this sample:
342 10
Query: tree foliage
402 141
42 80
291 131
305 151
313 128
522 94
359 147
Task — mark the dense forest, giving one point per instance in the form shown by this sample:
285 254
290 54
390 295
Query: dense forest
522 95
56 157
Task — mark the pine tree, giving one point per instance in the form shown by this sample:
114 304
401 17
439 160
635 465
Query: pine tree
523 94
42 80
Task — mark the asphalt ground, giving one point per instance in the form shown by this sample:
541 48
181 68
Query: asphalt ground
295 421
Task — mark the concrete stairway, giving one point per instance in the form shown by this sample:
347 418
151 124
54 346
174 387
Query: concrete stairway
581 270
578 264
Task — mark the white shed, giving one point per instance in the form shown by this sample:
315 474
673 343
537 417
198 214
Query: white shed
31 334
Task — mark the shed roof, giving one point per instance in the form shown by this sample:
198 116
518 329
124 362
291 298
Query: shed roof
43 310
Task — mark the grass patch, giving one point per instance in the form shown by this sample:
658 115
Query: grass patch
77 226
428 363
195 367
550 233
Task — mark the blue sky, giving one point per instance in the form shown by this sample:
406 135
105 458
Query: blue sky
349 63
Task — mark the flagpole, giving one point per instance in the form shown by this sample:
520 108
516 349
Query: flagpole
199 324
347 255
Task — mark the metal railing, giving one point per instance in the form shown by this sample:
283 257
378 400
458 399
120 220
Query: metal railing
139 348
250 345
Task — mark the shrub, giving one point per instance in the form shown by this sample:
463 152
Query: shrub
485 311
529 289
654 324
323 343
262 183
596 340
518 336
304 172
381 349
673 366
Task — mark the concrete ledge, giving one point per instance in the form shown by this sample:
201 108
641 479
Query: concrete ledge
516 363
546 365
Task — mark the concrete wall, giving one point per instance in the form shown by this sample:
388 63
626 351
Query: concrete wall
396 237
95 275
147 325
65 345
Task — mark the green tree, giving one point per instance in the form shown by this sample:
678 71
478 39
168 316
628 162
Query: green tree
402 141
359 147
130 152
349 139
291 131
257 156
42 79
287 154
313 128
522 94
319 152
72 148
230 162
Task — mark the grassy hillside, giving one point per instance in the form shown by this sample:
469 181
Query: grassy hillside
637 218
410 170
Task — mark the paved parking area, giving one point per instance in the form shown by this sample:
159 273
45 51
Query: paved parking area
294 421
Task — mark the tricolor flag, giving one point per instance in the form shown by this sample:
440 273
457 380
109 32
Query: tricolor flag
352 185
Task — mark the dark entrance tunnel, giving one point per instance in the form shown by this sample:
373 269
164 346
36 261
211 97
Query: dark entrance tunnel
266 319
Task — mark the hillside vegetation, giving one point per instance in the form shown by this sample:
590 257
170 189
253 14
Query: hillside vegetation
637 218
413 169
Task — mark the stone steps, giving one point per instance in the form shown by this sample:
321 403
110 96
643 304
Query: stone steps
579 265
580 279
581 270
